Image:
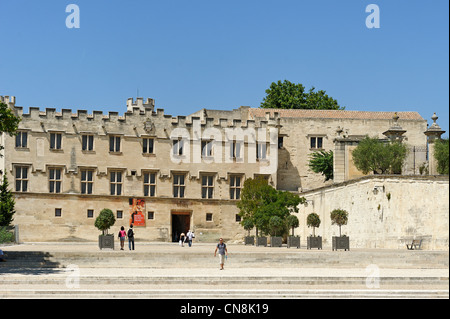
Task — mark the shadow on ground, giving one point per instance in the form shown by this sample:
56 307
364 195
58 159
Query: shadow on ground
29 263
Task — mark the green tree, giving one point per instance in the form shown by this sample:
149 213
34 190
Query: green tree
105 220
8 122
253 195
379 157
292 222
441 154
288 95
260 201
313 220
248 225
339 217
6 204
276 225
322 162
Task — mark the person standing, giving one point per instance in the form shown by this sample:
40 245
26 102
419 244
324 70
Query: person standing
122 235
189 236
130 235
222 247
182 239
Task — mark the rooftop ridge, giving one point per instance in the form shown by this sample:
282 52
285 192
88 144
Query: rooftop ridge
337 114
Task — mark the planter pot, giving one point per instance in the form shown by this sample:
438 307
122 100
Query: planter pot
276 241
341 243
261 241
314 242
249 240
106 241
293 241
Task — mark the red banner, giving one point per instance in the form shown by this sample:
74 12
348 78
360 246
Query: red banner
137 212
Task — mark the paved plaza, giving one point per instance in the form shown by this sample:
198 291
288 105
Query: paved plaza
166 270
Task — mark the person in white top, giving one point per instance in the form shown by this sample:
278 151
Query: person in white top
189 237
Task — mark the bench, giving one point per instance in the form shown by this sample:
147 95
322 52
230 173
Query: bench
416 244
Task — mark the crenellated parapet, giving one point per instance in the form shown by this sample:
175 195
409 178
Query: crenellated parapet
135 121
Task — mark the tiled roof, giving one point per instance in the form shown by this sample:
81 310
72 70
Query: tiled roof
334 114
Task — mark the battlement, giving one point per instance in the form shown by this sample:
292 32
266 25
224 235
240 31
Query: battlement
137 115
149 104
8 100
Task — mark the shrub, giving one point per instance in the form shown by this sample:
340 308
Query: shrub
339 217
292 222
313 220
105 220
276 225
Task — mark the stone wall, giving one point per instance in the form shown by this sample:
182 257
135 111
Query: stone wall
384 211
38 223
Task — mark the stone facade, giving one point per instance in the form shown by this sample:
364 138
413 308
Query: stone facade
65 167
383 211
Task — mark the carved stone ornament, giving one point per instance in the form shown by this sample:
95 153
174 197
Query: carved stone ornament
149 127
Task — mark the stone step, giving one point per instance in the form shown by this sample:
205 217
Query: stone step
229 280
250 258
226 293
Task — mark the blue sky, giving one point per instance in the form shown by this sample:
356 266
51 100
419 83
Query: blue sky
189 55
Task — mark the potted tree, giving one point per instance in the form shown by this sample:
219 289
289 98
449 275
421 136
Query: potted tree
340 217
292 222
276 226
248 225
260 240
313 220
103 222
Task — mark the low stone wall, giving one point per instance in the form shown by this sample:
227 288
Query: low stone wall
384 211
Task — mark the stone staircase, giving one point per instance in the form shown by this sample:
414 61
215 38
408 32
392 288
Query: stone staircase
250 273
219 287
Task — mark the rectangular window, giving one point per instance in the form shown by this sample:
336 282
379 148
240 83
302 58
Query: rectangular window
21 139
235 187
148 145
90 213
55 141
177 148
207 186
21 178
238 218
207 148
119 214
150 184
115 183
178 185
151 215
58 212
209 217
235 149
54 178
114 144
87 181
261 151
87 142
316 142
280 142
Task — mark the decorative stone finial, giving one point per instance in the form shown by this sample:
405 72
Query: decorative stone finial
434 130
395 132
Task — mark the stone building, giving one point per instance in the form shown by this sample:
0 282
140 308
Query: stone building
169 174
